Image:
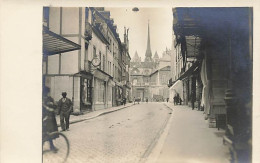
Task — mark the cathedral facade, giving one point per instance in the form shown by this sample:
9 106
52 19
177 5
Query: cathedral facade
149 77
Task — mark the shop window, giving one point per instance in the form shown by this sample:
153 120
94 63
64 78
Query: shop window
100 90
86 92
109 91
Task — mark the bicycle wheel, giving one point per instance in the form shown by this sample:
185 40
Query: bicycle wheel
63 148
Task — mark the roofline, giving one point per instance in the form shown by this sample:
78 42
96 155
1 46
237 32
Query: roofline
100 35
158 70
109 25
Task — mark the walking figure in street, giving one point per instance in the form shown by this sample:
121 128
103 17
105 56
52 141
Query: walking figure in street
49 121
64 109
175 100
134 100
180 101
124 101
147 100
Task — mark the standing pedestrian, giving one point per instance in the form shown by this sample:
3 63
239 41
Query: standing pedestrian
124 101
64 109
49 123
175 99
134 100
180 101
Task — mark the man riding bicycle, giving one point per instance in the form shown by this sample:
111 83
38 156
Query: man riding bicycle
49 123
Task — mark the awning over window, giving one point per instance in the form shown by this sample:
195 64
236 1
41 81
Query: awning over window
190 71
177 87
101 75
55 44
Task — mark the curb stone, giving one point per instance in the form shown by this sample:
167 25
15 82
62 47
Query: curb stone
95 116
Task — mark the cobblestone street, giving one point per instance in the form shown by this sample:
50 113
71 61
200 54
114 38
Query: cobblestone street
129 83
127 135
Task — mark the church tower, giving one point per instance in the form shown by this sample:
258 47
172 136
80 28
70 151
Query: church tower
156 57
148 54
136 58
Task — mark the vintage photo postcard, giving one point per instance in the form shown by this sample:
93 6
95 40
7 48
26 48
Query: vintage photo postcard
119 81
129 84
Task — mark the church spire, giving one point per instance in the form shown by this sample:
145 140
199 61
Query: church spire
148 54
136 57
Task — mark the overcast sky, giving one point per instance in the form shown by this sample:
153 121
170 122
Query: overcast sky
137 22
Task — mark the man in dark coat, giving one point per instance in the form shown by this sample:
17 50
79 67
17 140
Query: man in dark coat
64 109
49 123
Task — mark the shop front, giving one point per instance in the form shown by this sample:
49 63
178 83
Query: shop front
176 88
127 92
110 86
226 71
190 86
118 93
53 77
86 91
100 86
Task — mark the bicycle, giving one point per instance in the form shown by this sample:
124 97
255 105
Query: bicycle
61 152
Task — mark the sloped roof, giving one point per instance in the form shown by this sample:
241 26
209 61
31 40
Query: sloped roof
166 68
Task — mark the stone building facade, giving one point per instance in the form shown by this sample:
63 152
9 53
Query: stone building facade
84 56
213 67
149 77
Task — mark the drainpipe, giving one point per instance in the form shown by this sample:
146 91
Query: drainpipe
60 34
73 90
93 94
105 69
106 93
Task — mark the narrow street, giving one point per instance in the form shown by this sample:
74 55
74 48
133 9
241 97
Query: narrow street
119 83
127 135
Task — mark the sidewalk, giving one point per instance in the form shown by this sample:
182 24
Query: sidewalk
188 139
93 114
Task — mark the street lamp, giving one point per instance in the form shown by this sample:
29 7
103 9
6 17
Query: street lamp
135 9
